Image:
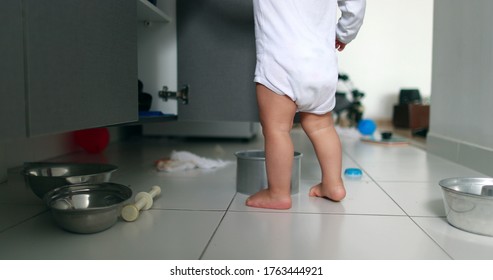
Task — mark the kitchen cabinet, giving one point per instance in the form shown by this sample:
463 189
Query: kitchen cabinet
148 12
81 64
72 65
12 100
216 58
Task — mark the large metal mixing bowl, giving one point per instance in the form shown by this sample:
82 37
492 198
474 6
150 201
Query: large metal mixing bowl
87 208
43 177
469 203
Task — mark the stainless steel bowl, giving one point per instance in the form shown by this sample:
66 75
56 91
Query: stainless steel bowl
87 208
251 175
43 177
469 203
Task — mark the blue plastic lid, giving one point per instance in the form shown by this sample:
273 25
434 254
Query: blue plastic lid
353 172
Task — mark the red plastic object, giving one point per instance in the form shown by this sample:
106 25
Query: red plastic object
93 141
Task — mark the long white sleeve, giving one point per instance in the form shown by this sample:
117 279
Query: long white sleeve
352 14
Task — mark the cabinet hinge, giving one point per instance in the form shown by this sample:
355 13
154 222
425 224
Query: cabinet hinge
181 94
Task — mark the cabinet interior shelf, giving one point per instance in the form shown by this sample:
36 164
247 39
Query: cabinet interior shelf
147 12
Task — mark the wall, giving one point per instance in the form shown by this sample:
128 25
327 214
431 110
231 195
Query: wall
460 123
392 51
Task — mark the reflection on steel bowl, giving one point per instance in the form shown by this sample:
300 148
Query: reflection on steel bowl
87 208
469 203
42 177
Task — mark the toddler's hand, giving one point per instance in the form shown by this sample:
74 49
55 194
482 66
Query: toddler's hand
340 45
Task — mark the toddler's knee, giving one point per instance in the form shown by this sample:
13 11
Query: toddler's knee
312 123
276 129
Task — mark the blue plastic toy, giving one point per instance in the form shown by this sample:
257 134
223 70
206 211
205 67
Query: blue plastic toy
367 127
353 172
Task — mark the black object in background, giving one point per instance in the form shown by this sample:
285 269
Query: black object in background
145 99
409 96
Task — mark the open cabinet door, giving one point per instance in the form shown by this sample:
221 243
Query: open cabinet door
216 59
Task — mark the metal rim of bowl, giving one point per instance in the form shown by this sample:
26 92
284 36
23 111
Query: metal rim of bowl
241 155
105 168
445 185
84 188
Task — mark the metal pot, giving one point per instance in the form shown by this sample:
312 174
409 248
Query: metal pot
251 175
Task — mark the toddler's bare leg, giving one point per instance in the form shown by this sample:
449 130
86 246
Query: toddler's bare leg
321 131
276 116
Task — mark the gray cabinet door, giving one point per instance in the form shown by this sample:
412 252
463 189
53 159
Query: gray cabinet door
216 58
81 64
12 105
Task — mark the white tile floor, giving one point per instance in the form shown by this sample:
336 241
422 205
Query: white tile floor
394 211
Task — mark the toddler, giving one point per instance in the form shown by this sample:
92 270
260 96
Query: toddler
296 71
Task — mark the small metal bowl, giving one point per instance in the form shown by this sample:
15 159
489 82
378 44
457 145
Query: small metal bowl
251 175
43 177
87 208
469 204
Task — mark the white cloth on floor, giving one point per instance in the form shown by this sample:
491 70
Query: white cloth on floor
183 160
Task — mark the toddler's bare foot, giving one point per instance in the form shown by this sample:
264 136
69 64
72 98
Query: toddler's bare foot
336 193
264 199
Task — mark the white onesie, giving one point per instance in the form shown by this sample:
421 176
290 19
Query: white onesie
295 42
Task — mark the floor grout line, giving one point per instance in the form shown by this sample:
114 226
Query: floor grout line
409 216
217 227
434 241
